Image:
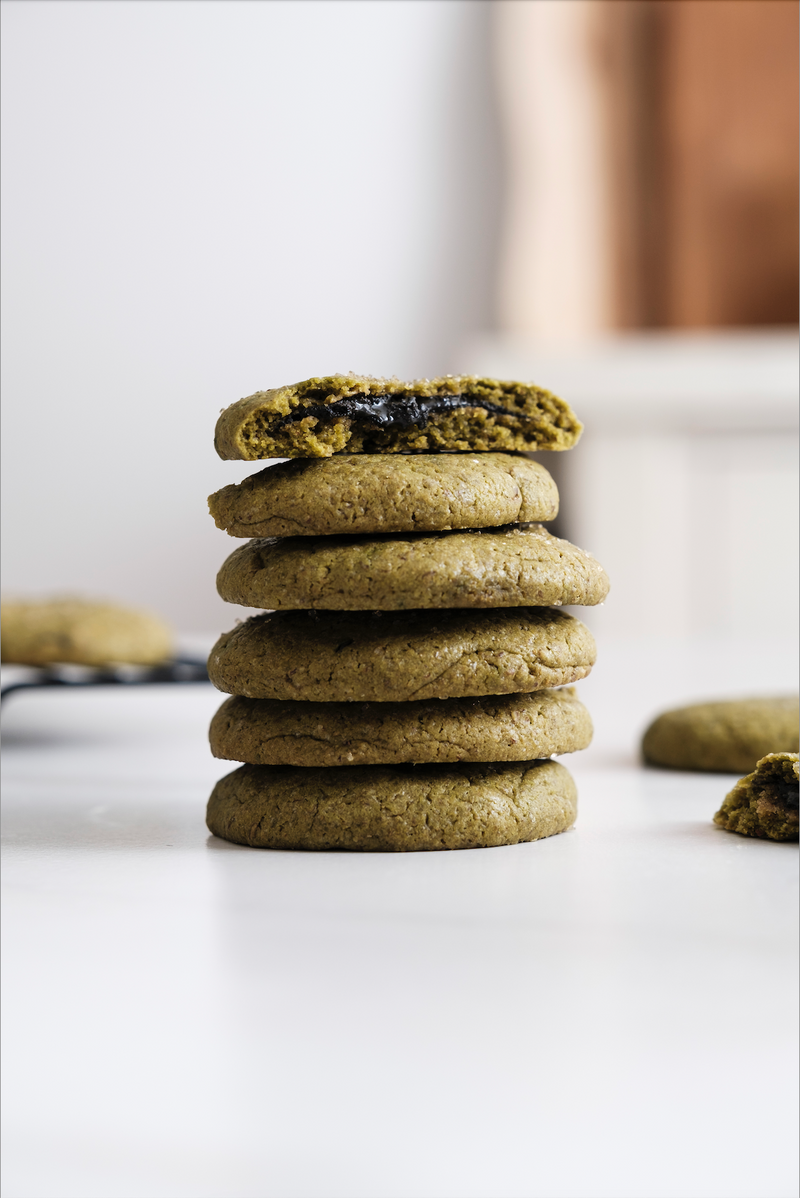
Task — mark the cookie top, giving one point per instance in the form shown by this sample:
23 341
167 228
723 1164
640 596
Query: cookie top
399 656
493 728
75 630
349 413
765 803
508 567
375 493
392 808
729 736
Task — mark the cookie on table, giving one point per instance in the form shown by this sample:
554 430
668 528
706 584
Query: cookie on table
333 656
374 493
492 728
41 632
765 803
392 808
729 736
356 414
512 566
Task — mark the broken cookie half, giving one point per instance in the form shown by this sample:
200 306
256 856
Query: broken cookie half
357 414
765 803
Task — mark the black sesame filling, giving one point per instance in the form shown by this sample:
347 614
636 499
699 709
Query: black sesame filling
388 411
784 794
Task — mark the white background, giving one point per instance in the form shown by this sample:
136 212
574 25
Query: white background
201 199
609 1013
205 199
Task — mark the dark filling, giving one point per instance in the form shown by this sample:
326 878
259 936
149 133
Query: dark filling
783 794
388 411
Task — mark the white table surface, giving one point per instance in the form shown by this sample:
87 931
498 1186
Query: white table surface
610 1013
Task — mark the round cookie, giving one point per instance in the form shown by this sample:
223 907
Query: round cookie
376 493
331 657
727 736
75 630
507 567
356 414
493 728
392 809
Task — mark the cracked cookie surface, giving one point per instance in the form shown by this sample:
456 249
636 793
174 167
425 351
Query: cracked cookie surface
392 808
494 728
765 803
354 413
729 736
507 567
400 656
374 493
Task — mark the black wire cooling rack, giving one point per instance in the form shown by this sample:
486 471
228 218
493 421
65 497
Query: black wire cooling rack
180 670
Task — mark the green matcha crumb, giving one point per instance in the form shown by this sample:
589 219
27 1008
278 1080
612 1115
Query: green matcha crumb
358 414
764 803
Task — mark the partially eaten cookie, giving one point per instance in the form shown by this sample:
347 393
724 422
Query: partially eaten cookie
765 803
349 413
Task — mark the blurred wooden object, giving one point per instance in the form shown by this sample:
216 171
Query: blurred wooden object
675 122
652 164
556 260
703 122
685 482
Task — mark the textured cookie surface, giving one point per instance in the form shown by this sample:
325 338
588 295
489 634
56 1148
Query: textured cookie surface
399 656
374 493
493 728
75 630
392 808
355 414
728 736
765 803
508 567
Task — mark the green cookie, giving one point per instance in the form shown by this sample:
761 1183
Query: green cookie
392 809
494 728
508 567
765 803
356 414
728 736
399 656
375 493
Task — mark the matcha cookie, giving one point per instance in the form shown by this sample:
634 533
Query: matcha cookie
374 493
728 736
392 809
75 630
493 728
398 656
354 414
764 804
507 567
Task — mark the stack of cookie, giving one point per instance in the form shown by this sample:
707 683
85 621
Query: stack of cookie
407 687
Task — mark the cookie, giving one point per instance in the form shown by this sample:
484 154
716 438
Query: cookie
75 630
513 566
765 803
392 809
353 414
728 736
492 728
375 493
331 657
